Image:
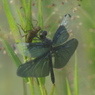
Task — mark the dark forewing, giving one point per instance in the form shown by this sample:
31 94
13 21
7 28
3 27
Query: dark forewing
35 68
60 36
33 49
63 53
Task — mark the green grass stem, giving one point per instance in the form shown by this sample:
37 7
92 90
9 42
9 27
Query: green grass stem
76 83
68 87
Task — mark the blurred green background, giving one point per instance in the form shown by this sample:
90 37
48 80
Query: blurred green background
82 27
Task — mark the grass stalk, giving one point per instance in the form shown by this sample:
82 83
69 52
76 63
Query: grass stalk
76 84
31 86
68 87
52 89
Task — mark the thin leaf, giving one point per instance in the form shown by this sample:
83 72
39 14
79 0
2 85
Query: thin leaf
68 87
12 54
42 88
76 88
40 14
11 20
31 86
52 90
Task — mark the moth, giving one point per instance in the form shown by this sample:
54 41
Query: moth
48 53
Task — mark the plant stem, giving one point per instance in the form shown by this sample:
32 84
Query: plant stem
31 86
24 88
52 89
76 76
68 87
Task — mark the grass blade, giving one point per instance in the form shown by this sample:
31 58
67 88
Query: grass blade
12 54
11 20
40 14
76 89
68 87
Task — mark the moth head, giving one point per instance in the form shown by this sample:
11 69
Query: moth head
43 34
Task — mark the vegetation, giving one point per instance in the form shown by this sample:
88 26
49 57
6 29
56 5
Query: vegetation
78 76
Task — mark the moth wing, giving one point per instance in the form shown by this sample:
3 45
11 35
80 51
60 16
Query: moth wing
33 49
60 36
38 67
63 53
